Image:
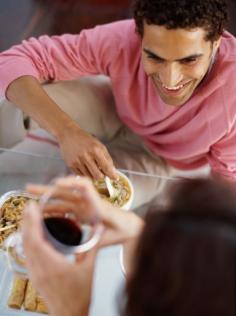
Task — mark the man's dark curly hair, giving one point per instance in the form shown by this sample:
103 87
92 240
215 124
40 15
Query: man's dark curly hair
211 15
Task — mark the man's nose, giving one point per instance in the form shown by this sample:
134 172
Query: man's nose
170 75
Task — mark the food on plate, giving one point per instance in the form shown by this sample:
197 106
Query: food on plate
122 191
30 302
23 295
17 295
11 215
15 256
41 307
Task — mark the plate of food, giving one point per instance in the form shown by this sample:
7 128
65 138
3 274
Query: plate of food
18 297
12 204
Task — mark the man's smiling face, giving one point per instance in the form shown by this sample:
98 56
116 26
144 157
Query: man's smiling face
176 60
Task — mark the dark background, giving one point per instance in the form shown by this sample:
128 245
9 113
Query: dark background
20 19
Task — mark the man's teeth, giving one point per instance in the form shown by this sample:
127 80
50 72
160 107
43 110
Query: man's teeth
173 88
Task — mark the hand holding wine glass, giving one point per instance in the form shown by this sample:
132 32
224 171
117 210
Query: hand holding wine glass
89 205
56 279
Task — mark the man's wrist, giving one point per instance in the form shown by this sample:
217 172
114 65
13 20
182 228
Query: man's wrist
63 128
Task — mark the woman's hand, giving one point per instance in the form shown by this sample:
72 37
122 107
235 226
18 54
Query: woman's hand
66 287
119 226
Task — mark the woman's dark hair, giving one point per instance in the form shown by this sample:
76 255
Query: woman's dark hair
185 263
211 15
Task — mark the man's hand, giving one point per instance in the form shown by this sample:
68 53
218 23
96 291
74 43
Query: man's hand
66 287
84 154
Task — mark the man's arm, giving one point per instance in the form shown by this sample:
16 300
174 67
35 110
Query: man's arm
83 153
27 93
24 67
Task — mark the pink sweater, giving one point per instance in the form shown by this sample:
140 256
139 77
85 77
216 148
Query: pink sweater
200 131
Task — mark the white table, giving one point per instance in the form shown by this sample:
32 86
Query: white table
18 169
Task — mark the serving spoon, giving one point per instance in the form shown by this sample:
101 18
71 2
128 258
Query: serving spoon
110 188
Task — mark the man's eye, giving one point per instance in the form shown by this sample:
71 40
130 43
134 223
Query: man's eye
189 61
158 60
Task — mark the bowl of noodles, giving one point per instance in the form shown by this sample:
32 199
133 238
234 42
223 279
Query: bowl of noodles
124 191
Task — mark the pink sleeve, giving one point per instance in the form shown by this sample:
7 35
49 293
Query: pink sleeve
222 157
57 58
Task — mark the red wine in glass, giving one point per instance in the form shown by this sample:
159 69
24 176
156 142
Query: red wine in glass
64 230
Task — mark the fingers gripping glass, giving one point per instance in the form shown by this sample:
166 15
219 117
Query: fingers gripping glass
68 224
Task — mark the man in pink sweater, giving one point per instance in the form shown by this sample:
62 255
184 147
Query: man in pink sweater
171 70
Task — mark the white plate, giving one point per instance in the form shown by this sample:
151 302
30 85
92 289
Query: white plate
6 281
6 275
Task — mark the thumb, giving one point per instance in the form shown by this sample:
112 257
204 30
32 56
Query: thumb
31 224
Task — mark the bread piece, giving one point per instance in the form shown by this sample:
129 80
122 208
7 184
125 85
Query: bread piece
41 307
17 295
30 301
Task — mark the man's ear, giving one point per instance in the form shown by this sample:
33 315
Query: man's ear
216 44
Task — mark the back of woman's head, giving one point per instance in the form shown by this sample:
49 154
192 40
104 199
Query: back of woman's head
186 258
